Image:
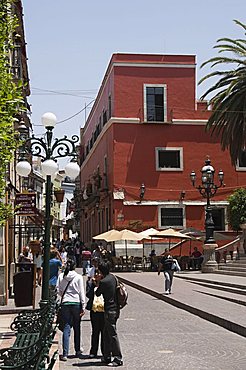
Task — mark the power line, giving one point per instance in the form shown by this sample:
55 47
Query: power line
74 115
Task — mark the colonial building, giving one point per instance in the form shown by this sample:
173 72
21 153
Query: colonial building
143 137
14 233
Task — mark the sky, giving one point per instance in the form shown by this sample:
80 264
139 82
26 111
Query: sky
70 43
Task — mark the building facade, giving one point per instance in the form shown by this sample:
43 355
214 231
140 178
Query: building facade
143 137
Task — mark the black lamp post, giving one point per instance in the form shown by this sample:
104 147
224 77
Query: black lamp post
49 151
208 189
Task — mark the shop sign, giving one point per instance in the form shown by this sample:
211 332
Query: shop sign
25 204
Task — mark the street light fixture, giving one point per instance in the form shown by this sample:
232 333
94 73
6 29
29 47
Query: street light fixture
49 151
208 189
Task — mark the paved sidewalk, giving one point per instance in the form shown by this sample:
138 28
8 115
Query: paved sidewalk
223 308
203 301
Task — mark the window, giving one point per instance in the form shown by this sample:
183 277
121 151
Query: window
169 159
105 119
241 163
218 215
109 107
171 216
155 103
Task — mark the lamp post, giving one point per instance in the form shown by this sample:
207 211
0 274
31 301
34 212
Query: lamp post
49 151
208 189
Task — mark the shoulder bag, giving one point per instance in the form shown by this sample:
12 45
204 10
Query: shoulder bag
59 319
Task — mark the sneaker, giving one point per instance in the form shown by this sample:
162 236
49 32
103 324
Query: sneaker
115 363
166 292
63 358
106 360
91 355
78 353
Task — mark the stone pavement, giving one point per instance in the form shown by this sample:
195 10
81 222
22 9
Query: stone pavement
156 334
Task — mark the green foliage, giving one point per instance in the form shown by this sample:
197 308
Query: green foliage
228 118
237 208
11 101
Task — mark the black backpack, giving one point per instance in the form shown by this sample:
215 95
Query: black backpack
121 294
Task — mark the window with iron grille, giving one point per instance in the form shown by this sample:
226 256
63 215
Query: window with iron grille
241 163
169 159
171 217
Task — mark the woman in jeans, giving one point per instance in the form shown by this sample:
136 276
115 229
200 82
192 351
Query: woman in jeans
73 306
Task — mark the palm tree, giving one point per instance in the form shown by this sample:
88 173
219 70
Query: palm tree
228 117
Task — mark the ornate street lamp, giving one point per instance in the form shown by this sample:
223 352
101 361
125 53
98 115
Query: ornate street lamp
208 189
49 151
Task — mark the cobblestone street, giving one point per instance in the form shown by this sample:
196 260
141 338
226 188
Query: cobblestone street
154 334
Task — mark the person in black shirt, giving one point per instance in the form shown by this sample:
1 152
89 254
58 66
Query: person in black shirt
107 287
165 265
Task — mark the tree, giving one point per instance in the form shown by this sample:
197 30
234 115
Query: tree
11 101
237 208
237 211
228 117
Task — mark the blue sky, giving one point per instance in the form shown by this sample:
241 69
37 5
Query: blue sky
69 44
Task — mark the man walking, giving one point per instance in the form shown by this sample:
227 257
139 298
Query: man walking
107 287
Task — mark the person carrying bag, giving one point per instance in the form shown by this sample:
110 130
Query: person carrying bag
96 307
71 288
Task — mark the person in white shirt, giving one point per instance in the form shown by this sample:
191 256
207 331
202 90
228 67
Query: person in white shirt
72 307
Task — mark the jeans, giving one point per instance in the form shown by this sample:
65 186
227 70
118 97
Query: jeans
168 280
71 316
111 341
86 265
97 323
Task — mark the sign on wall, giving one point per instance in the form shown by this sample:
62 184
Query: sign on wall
26 203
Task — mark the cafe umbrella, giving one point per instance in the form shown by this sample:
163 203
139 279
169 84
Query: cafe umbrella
147 234
171 234
126 235
109 235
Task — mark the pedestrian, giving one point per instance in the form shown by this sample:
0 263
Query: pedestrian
73 306
86 260
55 265
38 260
107 287
165 265
96 307
70 250
78 250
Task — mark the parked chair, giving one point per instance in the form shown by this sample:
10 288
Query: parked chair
116 263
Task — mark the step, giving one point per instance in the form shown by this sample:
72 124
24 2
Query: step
227 272
206 278
233 264
232 268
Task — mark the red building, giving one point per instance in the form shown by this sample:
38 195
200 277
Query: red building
143 137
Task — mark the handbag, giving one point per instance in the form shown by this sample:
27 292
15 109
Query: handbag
98 303
59 318
175 266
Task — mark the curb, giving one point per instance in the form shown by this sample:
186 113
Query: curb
226 324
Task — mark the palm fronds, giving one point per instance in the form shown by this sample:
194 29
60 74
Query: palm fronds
228 118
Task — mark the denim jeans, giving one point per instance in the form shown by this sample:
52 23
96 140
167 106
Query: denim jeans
168 280
71 316
97 323
111 341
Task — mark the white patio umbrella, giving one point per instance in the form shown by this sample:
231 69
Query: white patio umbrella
171 233
109 235
148 234
127 235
